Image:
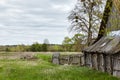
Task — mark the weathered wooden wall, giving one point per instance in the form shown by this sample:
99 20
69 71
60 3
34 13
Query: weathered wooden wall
105 63
72 59
98 61
101 63
88 62
108 64
116 65
94 61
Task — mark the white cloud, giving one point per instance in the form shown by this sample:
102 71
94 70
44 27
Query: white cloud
63 8
27 21
3 2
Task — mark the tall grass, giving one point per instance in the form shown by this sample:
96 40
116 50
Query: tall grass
42 69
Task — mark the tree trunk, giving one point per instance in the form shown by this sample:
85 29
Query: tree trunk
90 25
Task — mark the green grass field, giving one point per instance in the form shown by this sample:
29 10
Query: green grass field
43 69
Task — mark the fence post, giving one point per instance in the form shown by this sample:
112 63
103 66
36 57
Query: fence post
56 58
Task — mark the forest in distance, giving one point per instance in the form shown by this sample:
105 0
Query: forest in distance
74 44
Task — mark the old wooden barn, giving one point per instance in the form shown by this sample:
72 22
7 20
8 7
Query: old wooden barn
104 54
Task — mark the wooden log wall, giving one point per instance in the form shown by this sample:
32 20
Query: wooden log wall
101 63
105 63
73 59
116 65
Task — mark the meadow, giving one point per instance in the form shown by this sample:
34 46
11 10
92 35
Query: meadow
41 68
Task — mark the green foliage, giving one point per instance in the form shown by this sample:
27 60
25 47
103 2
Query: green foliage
67 44
74 44
54 48
44 47
36 47
78 40
7 49
15 48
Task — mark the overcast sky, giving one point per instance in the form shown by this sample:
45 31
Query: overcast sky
28 21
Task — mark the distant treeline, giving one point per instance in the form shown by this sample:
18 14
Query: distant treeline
37 47
74 44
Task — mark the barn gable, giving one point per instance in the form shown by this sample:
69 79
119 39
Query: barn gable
104 54
109 32
111 18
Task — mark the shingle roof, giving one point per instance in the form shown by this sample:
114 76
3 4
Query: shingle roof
117 4
106 45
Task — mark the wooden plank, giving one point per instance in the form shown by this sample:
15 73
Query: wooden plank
116 65
94 61
108 64
116 73
101 63
55 58
88 60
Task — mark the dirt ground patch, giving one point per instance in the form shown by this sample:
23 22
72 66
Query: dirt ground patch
18 55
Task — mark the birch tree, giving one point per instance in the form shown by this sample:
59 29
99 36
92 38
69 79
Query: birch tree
85 18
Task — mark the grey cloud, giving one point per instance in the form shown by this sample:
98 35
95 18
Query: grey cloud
27 21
